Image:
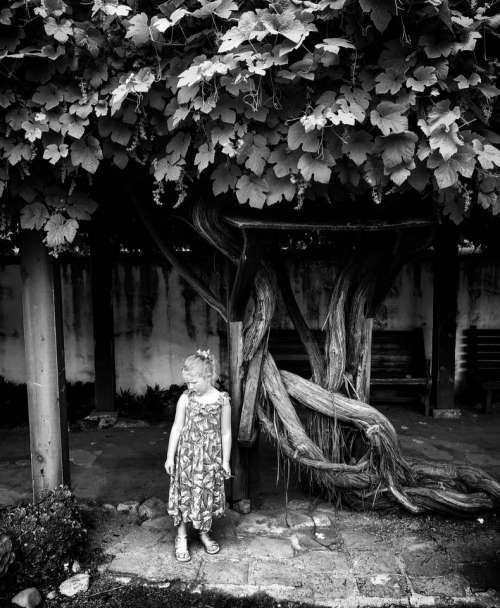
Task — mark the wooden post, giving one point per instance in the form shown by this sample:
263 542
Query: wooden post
239 456
444 321
102 307
45 373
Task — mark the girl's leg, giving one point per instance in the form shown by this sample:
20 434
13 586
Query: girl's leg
181 545
211 545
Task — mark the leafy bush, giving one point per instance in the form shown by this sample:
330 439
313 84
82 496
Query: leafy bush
45 536
155 404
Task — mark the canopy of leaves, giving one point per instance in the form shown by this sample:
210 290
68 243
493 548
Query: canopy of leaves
266 101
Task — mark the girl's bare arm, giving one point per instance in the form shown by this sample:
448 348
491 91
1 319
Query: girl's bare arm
180 413
226 435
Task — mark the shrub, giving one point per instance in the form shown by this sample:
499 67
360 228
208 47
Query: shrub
155 404
45 536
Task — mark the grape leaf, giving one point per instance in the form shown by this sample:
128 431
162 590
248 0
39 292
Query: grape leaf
464 83
224 178
447 141
34 216
61 31
388 117
288 24
357 147
138 29
333 45
487 155
253 190
278 189
53 153
80 206
204 157
311 167
439 116
419 178
86 154
284 162
48 95
298 137
398 149
258 154
59 230
389 81
381 12
423 77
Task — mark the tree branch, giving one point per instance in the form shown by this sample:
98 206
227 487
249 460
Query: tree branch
186 273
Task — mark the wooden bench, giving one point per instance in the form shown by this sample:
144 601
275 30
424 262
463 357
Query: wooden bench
482 347
397 361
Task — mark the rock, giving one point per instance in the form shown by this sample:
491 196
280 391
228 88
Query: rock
76 568
27 598
51 595
74 585
158 523
298 504
297 519
243 506
125 423
152 508
109 507
129 506
105 420
321 519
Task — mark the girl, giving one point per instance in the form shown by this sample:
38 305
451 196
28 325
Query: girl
198 454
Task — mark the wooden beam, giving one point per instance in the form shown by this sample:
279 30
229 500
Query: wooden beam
239 456
102 308
245 274
45 372
247 432
247 223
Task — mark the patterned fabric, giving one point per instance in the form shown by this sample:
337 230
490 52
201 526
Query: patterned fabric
197 485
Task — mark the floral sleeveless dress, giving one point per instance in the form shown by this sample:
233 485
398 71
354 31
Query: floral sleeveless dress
197 485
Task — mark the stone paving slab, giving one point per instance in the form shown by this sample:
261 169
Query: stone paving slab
365 560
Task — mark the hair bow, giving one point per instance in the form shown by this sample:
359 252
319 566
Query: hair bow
204 354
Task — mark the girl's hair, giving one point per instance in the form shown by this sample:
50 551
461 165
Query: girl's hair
202 363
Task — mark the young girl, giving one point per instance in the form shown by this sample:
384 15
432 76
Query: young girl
198 454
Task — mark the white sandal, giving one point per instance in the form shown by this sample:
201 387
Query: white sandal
211 545
181 548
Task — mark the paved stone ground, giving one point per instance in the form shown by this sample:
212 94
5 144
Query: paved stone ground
314 553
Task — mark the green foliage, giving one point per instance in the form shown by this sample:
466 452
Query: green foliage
45 536
273 101
155 404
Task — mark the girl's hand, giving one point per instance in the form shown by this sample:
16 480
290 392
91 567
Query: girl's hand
169 467
226 468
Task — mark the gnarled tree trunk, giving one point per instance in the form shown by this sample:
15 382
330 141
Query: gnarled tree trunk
380 476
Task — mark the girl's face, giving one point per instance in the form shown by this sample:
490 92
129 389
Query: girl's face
197 384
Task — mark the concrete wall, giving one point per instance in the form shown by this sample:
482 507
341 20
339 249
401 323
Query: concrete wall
159 320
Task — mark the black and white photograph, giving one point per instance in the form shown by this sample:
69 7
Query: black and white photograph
249 303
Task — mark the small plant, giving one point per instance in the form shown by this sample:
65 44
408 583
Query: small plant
155 404
6 553
45 536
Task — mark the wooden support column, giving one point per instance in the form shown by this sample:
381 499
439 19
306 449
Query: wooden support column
45 372
240 293
444 320
102 308
239 456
